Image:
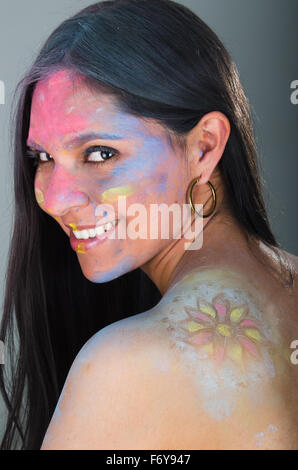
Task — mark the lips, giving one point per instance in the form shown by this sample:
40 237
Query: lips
81 245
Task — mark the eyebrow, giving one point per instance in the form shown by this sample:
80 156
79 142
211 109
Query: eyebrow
82 138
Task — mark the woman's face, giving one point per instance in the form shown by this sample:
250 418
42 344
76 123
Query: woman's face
89 154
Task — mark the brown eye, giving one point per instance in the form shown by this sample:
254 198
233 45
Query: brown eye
99 154
38 157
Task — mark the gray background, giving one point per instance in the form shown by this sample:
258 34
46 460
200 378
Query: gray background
262 37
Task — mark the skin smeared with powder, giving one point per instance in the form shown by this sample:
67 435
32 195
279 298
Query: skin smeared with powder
226 347
111 195
39 195
270 433
69 188
214 328
233 394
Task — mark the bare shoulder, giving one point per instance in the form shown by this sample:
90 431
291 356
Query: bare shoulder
231 357
293 259
116 393
292 263
285 261
105 395
208 367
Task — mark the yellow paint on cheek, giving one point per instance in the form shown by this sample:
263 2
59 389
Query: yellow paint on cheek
111 195
39 177
57 218
39 196
73 226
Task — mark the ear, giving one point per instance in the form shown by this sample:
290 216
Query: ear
206 143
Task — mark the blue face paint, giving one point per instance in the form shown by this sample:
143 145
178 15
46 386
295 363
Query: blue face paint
147 164
144 162
126 264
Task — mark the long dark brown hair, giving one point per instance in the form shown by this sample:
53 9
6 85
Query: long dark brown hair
160 61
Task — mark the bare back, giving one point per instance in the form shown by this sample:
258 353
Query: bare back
219 345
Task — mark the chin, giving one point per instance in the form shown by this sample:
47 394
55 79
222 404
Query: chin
125 265
102 277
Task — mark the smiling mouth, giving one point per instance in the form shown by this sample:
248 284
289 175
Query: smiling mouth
94 232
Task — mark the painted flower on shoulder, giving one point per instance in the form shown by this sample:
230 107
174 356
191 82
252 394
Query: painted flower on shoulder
222 331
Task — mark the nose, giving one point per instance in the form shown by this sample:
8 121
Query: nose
62 193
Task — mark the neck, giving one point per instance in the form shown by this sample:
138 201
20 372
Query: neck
224 244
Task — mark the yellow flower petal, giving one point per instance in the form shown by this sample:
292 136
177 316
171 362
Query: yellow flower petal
208 310
194 326
237 314
253 333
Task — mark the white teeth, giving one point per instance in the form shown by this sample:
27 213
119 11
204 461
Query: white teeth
99 230
94 232
85 234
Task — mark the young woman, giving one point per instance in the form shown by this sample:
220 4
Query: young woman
148 342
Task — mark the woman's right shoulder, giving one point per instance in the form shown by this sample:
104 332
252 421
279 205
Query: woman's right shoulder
220 298
204 353
285 261
293 259
292 264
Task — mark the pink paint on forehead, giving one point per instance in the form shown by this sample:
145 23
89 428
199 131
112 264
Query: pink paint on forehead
53 113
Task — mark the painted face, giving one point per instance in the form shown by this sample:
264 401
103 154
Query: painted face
89 154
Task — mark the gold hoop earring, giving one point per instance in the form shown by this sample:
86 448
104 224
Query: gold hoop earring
213 195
